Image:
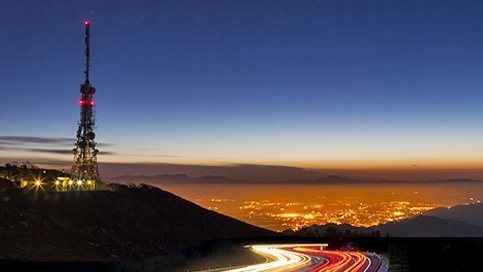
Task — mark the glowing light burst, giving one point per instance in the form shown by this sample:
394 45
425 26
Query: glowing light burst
38 183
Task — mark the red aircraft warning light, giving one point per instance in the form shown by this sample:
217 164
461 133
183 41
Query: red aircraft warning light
85 102
86 22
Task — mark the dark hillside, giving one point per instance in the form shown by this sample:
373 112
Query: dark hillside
129 223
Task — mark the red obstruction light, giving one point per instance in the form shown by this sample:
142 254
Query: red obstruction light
86 22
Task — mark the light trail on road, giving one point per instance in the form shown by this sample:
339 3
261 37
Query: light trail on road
311 258
284 260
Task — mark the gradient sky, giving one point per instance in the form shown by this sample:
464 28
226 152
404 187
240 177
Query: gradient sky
319 84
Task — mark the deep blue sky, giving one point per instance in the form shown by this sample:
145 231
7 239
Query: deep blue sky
312 83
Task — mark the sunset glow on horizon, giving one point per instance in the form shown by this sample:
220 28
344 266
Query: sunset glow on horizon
325 90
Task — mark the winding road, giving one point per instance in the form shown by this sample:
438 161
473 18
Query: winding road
312 258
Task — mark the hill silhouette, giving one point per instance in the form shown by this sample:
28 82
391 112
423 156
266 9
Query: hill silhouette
428 226
471 214
441 223
129 223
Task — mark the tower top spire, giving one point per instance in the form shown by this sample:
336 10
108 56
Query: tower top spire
87 24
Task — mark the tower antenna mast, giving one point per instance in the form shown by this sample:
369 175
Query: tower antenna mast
84 167
87 50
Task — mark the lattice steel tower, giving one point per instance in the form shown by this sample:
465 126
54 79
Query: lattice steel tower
84 168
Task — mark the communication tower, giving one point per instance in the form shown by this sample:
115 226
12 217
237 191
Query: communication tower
85 171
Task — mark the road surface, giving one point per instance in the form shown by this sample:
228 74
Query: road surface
312 258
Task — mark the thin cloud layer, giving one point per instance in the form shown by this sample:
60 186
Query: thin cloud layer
54 145
35 140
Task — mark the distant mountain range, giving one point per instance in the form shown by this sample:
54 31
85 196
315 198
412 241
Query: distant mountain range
234 171
459 221
172 179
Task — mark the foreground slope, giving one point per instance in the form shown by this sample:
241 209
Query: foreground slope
129 223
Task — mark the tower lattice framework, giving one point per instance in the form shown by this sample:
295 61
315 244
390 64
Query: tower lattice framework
85 171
